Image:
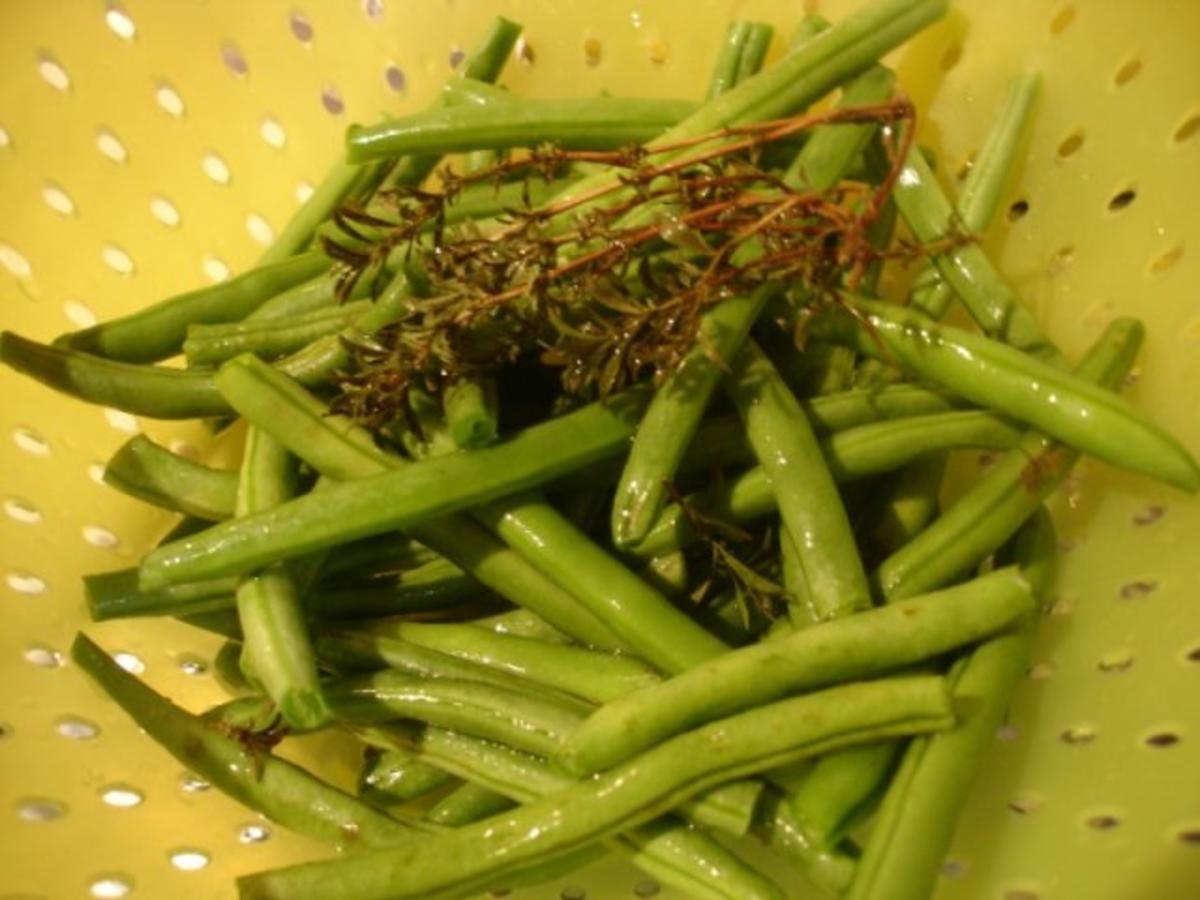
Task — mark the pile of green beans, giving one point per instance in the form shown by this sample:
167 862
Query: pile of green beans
643 619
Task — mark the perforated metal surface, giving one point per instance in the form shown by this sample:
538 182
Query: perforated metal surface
149 147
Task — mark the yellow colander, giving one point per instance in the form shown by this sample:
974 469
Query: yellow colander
148 147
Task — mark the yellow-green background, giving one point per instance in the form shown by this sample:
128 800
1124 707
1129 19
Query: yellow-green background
1112 663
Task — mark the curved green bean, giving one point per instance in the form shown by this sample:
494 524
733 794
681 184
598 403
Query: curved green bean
681 857
157 332
809 503
143 469
857 646
1082 415
470 857
278 789
996 505
904 854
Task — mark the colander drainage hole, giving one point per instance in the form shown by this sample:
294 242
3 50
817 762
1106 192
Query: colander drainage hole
1122 199
109 886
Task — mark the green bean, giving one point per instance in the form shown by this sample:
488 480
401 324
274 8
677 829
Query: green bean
963 265
809 504
851 454
595 124
471 413
466 804
155 391
674 414
337 447
268 604
912 502
587 811
392 777
904 854
518 718
143 469
340 183
800 78
522 622
830 870
857 646
211 345
685 858
996 505
672 418
586 673
484 63
642 618
832 149
667 573
378 555
841 788
1079 414
725 67
157 332
470 92
754 51
421 492
434 586
227 670
981 190
352 651
438 585
801 611
115 595
810 26
278 789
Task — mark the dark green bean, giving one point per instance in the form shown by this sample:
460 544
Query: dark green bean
154 391
1082 415
143 469
278 789
471 857
157 332
857 646
754 51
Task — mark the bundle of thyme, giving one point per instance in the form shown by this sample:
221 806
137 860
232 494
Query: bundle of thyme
607 287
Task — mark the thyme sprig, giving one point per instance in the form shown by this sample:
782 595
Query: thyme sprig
607 285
